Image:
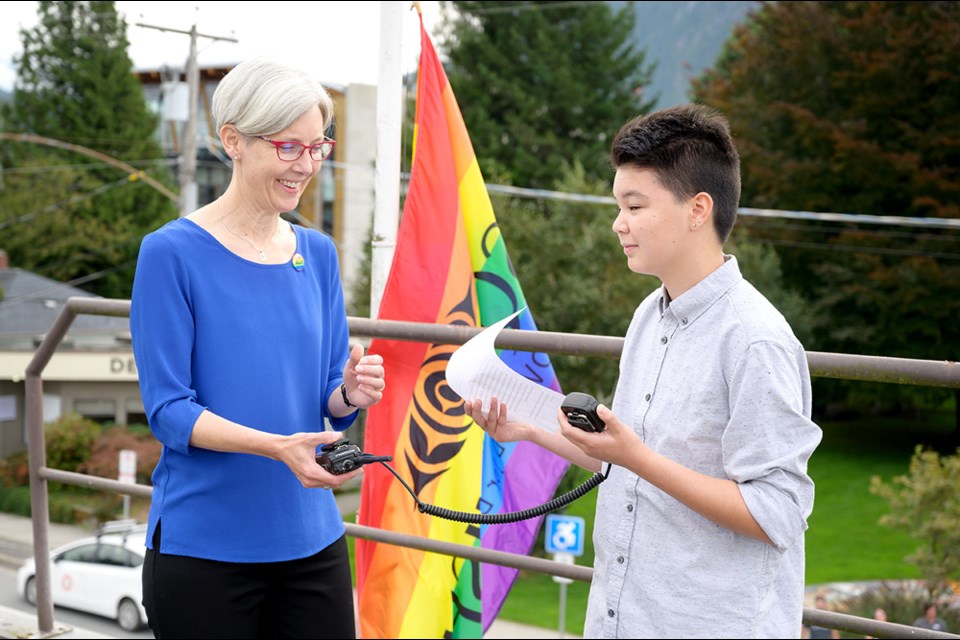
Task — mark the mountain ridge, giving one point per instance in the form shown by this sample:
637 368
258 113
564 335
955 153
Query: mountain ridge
683 38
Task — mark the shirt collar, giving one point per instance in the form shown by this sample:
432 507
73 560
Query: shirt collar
693 302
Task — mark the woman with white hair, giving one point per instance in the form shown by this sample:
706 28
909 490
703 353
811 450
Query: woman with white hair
241 342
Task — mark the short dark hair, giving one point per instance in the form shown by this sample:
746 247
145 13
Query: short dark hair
691 150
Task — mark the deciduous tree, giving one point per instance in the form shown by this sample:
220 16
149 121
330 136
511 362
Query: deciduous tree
854 107
926 504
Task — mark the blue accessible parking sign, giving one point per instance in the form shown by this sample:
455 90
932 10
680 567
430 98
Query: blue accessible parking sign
564 534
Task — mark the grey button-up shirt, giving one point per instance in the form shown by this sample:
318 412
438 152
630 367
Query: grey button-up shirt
716 381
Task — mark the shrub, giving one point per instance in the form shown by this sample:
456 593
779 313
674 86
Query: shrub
81 445
15 470
926 504
104 459
15 499
70 441
903 600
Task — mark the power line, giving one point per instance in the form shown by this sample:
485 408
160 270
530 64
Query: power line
856 218
87 166
859 218
92 153
63 203
763 224
889 251
33 295
546 194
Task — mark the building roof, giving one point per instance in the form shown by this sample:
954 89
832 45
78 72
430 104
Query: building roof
31 303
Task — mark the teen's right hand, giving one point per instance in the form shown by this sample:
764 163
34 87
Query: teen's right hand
616 444
494 421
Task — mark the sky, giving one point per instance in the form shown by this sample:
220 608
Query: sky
338 42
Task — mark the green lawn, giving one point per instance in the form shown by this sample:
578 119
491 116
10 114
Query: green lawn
844 542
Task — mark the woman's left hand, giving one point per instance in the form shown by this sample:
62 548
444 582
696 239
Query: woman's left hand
364 378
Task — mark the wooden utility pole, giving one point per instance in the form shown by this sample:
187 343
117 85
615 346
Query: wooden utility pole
187 167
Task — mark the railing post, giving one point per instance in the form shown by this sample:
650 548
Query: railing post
39 503
37 457
854 367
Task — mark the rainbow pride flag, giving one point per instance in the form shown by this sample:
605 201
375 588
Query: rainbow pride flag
450 267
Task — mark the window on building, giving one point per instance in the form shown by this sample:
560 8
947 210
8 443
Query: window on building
135 412
100 410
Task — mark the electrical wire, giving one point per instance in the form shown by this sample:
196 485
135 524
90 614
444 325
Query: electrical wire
50 208
884 251
778 225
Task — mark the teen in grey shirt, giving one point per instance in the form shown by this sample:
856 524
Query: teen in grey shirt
700 524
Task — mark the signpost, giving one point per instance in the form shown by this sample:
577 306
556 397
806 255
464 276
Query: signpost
564 539
128 474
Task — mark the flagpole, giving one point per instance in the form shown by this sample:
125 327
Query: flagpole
389 110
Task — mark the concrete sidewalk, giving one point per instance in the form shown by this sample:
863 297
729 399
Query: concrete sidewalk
16 545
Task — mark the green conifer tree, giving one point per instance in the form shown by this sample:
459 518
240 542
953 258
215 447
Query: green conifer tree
541 84
67 216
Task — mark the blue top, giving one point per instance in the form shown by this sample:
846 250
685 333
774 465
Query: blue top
262 345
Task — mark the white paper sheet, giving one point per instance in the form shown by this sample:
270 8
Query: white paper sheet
476 373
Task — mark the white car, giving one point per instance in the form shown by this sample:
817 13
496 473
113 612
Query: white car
99 575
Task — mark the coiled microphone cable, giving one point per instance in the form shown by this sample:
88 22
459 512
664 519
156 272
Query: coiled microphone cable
504 518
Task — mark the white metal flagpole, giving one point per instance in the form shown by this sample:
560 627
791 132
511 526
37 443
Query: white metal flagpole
389 111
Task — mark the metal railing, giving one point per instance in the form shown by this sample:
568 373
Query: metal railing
832 365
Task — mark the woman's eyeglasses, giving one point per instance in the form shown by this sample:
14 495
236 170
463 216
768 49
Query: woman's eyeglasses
288 151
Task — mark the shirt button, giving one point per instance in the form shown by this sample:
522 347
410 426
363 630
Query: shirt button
647 397
663 339
619 559
629 508
610 613
684 321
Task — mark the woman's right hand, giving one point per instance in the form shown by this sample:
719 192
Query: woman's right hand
299 452
494 422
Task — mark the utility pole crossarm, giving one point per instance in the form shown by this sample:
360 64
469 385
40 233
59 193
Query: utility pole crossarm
188 157
186 32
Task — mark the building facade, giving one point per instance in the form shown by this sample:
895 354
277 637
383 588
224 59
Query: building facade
93 372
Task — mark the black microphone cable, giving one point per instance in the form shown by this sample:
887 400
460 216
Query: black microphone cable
504 518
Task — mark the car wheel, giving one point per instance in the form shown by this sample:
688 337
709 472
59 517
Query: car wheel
30 590
128 615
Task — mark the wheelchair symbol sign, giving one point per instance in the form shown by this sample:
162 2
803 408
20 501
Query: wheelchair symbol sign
564 534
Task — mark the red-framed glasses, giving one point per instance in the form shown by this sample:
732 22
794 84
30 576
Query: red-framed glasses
288 150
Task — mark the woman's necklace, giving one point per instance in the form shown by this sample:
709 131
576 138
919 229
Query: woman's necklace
263 256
